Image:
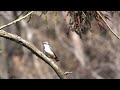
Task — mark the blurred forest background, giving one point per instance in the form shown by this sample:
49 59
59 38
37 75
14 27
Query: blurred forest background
88 51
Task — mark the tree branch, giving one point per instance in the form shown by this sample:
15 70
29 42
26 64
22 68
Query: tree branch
19 19
108 25
34 50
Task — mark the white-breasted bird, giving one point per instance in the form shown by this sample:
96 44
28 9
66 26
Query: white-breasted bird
47 50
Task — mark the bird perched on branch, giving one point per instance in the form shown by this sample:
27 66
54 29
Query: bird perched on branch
47 50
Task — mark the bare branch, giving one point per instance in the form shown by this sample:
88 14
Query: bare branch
34 50
17 20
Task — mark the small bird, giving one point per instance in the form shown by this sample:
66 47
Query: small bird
47 50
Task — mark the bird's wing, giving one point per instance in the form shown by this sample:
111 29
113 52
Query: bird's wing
43 49
54 53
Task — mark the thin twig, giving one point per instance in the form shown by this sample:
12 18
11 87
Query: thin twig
66 73
108 25
34 50
21 14
19 19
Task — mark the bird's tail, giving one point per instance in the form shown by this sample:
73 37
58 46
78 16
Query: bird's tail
56 58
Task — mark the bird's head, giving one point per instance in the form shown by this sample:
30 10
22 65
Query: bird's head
45 43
